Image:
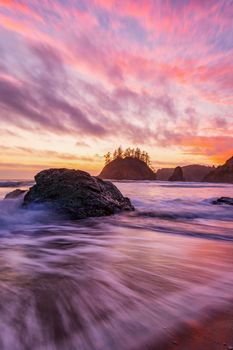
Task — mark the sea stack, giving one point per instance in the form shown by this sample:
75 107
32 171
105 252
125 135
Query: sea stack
127 169
131 164
223 173
223 200
177 175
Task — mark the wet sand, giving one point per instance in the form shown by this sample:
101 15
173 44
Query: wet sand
213 333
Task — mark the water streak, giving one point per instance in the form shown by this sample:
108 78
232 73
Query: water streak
121 282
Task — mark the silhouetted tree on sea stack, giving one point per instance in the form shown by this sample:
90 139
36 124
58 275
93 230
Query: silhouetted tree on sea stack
107 157
128 153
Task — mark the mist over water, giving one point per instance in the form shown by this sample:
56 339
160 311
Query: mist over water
121 282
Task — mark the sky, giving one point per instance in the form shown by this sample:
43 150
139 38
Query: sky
80 78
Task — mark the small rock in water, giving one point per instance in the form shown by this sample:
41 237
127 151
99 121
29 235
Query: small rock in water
15 194
224 200
76 194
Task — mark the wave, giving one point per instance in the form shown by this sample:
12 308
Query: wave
200 231
182 209
192 185
24 183
175 184
14 218
165 215
224 215
133 181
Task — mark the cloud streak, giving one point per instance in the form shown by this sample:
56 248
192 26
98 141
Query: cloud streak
37 102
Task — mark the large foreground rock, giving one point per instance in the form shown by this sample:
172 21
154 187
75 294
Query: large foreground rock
224 200
76 194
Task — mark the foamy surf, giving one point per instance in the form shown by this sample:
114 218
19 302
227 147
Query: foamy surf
15 183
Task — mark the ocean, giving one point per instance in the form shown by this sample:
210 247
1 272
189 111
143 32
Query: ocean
122 282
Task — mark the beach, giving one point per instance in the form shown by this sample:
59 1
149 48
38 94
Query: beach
212 332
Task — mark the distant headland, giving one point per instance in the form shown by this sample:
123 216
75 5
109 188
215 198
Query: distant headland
134 164
223 173
192 173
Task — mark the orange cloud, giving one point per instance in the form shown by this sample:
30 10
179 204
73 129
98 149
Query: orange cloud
216 148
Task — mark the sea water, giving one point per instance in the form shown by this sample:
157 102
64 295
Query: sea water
122 282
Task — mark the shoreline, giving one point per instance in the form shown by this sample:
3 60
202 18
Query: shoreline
214 332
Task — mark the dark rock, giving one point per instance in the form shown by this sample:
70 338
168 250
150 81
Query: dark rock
163 174
192 173
223 173
15 194
177 175
224 200
76 194
195 172
128 168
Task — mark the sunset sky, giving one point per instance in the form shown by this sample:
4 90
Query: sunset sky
79 78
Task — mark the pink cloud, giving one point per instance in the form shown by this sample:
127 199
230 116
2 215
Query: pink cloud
112 65
15 6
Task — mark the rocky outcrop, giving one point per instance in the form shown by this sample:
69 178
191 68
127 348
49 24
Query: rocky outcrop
75 194
128 168
15 194
223 173
193 172
177 175
224 200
